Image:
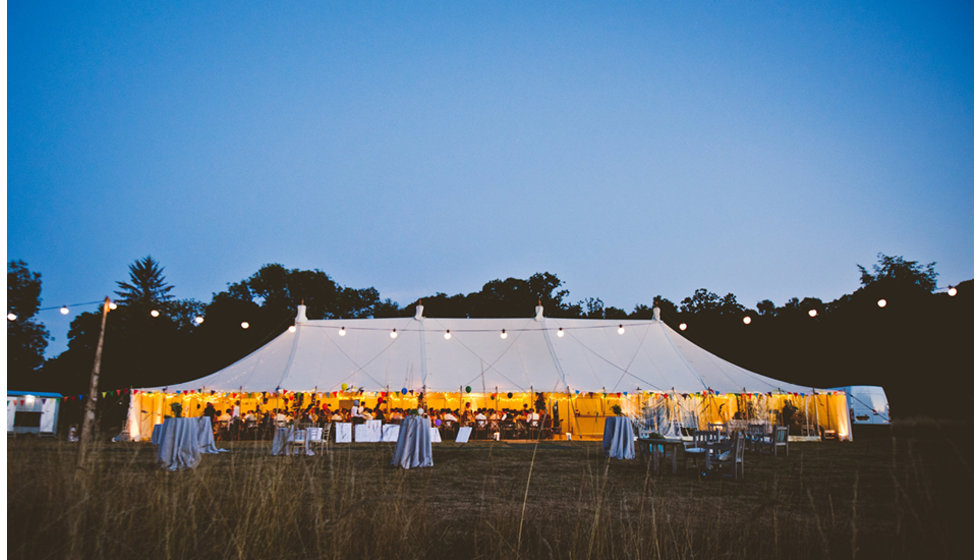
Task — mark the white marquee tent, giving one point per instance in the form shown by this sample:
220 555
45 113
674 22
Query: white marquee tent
487 356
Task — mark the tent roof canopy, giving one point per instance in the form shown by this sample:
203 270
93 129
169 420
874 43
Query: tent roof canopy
433 354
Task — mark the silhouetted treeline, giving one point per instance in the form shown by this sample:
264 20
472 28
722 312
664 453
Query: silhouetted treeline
919 346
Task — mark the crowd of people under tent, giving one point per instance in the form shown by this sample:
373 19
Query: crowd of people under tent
526 423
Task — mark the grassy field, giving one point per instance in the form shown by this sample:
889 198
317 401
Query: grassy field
901 493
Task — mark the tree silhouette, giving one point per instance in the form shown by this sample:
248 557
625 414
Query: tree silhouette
893 270
147 286
26 337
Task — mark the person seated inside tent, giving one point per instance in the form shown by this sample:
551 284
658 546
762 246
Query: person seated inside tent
337 416
468 418
480 419
396 416
221 429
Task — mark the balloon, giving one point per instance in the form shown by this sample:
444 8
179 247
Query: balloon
510 395
468 389
343 386
404 391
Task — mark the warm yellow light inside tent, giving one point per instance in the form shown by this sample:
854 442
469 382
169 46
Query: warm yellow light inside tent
747 320
64 310
812 313
342 331
393 333
154 313
245 324
503 334
952 291
448 335
882 302
561 332
621 329
682 326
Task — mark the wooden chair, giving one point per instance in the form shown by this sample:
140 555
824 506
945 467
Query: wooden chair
319 437
779 439
729 459
697 448
297 442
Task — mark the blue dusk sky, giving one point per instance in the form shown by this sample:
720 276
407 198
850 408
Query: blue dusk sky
632 149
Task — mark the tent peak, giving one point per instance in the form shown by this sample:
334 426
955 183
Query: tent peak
539 312
301 313
418 311
656 314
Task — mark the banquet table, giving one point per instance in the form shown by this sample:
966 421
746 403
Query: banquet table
659 449
414 446
617 438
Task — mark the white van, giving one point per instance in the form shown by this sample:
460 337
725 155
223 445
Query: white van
868 404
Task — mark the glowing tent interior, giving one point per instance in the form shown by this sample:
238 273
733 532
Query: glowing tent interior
579 367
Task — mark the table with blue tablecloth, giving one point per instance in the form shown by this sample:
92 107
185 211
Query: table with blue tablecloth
617 438
414 446
182 440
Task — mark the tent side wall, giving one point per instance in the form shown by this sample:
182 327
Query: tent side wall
581 415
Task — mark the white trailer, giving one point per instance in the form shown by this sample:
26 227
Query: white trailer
32 413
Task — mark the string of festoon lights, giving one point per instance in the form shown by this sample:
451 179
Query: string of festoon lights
342 331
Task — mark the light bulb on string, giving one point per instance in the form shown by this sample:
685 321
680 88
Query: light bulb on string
682 326
621 329
560 333
951 291
245 325
342 331
503 334
292 328
882 302
64 310
393 334
747 320
11 317
447 335
812 313
112 305
198 320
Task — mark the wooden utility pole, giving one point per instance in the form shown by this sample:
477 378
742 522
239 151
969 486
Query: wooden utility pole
88 416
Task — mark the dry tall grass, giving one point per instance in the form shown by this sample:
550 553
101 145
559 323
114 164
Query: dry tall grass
897 496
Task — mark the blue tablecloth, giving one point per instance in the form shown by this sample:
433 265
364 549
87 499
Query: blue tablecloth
617 438
180 445
414 446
